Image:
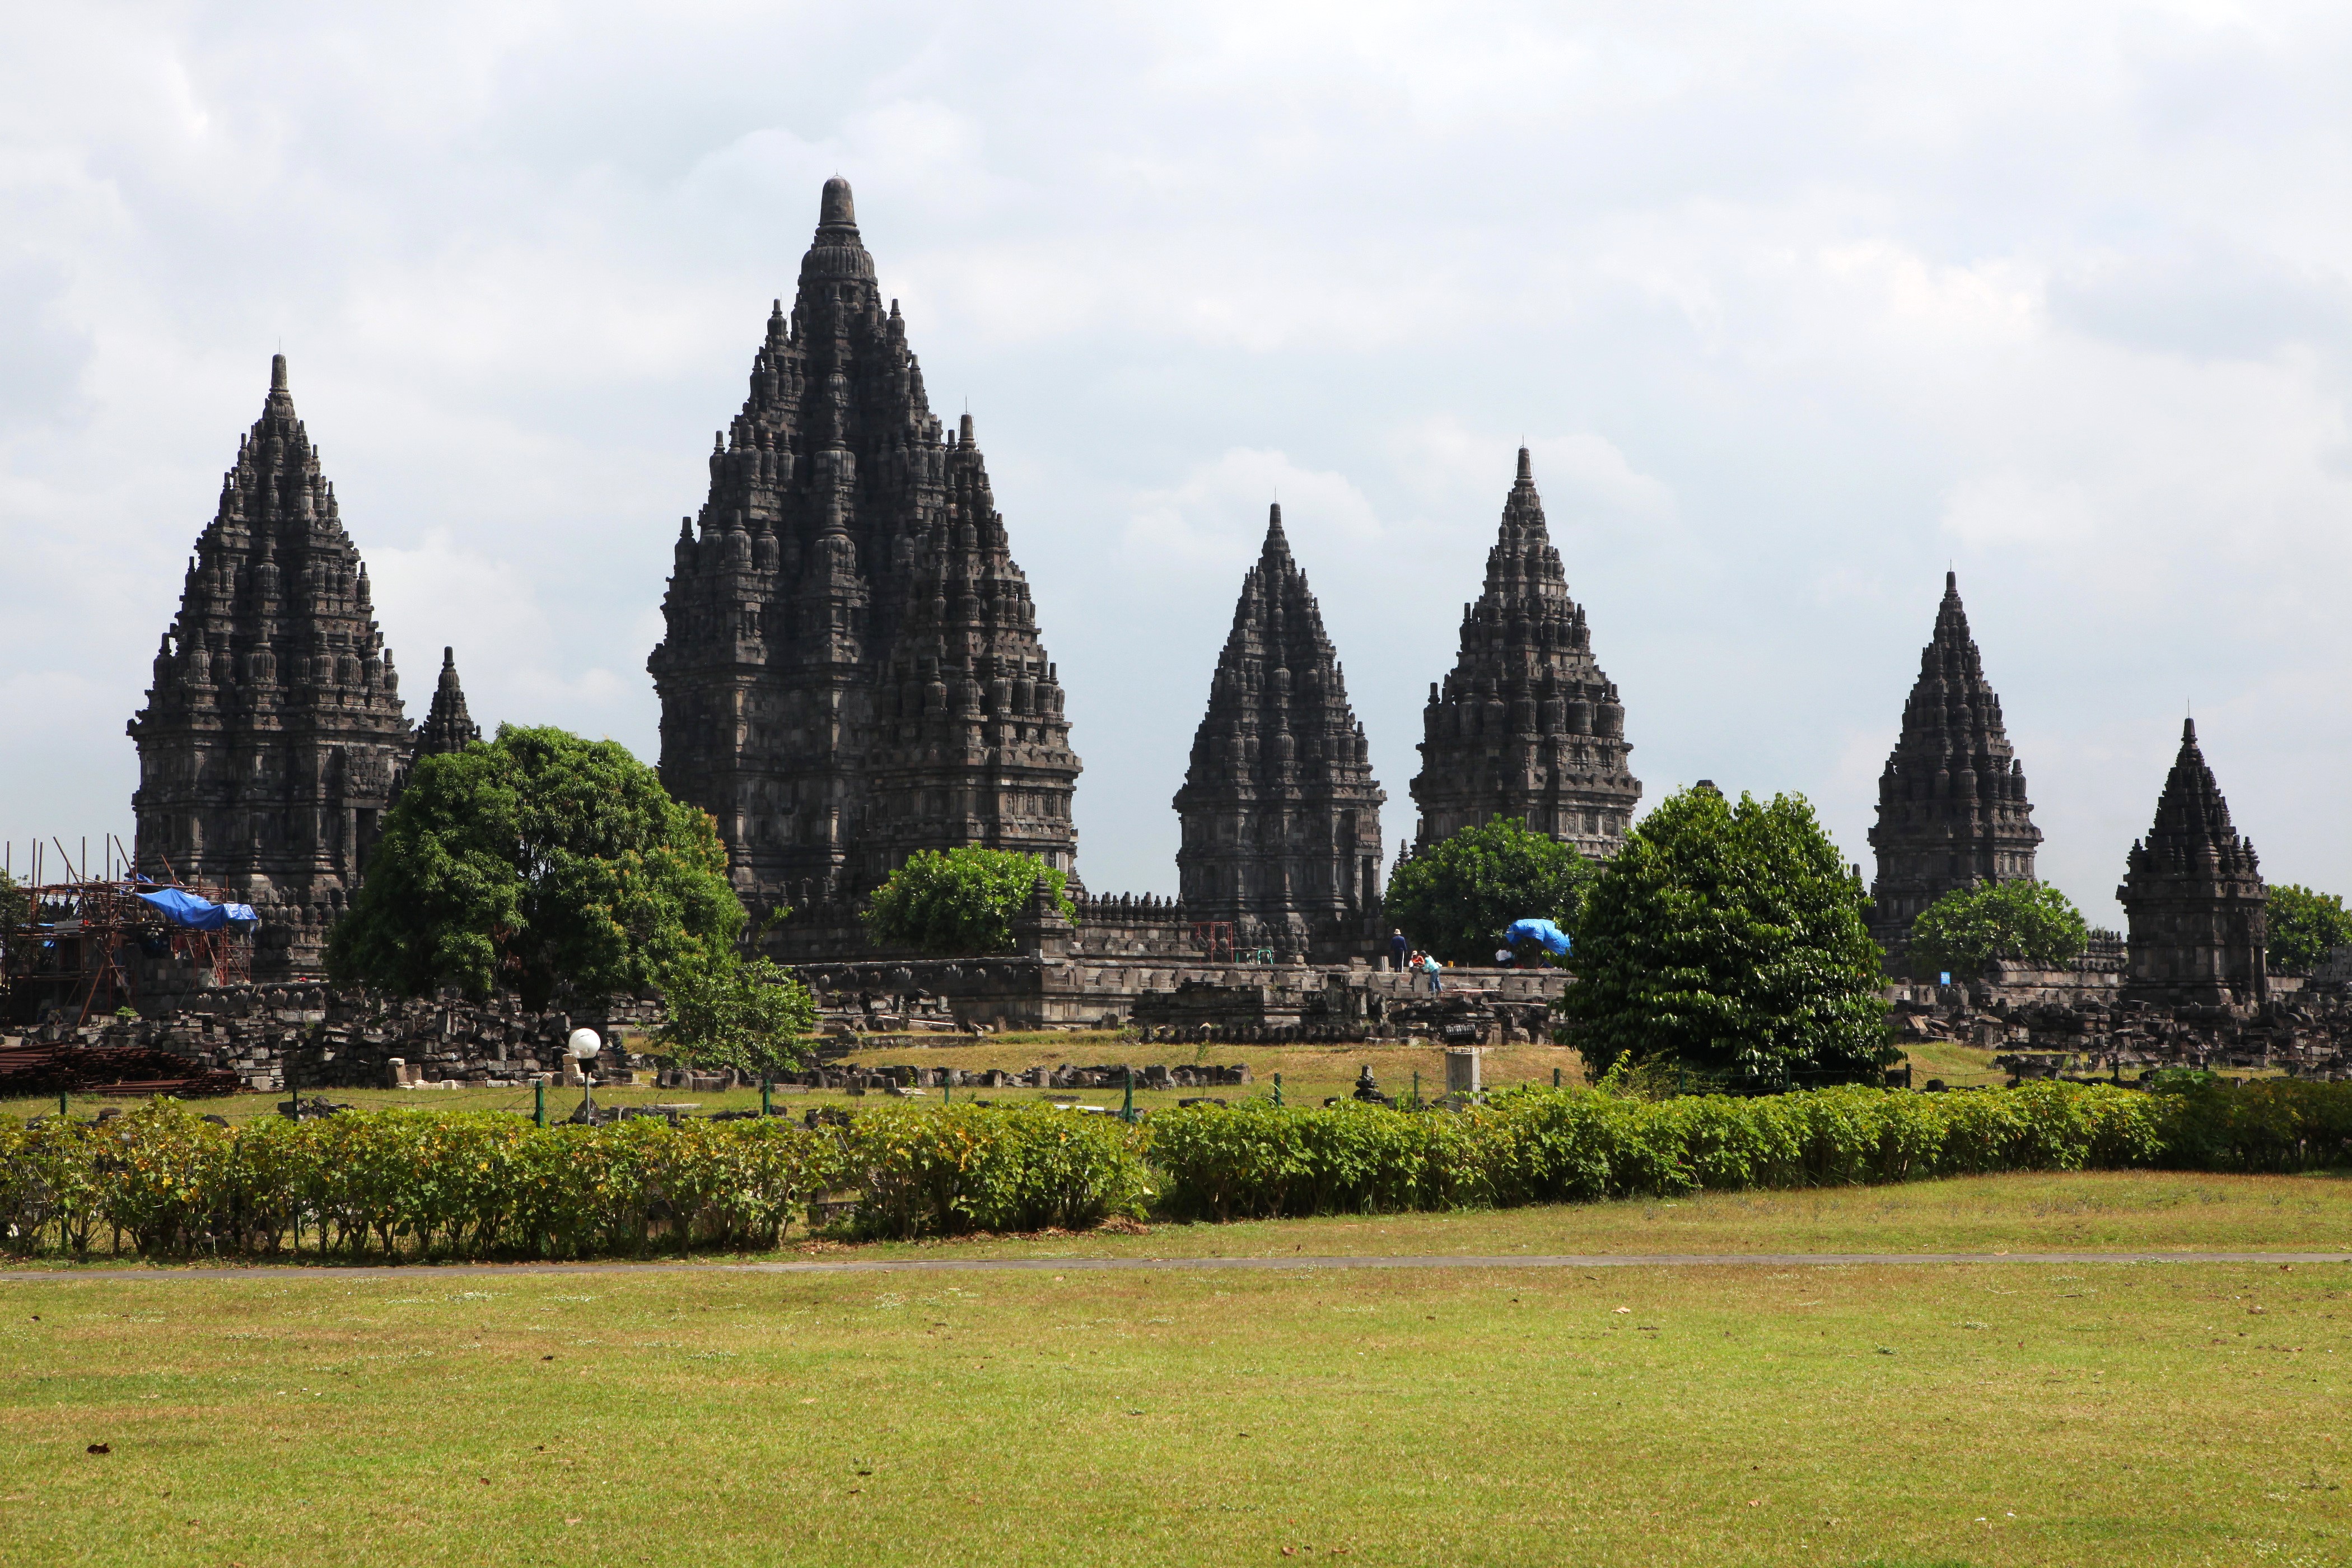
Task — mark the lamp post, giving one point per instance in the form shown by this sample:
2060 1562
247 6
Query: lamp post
583 1048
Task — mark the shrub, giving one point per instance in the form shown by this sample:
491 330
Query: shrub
403 1183
1542 1146
2025 922
1728 937
961 902
967 1167
406 1182
2305 926
535 859
1457 897
726 1012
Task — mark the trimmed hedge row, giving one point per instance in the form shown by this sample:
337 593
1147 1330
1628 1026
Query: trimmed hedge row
1536 1145
162 1180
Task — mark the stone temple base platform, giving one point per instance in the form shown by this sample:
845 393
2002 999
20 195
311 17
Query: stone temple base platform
1171 1000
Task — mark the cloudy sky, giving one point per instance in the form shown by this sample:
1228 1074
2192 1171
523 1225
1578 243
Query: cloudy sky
1794 309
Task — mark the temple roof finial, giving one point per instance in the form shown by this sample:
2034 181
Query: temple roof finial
1526 468
277 373
837 210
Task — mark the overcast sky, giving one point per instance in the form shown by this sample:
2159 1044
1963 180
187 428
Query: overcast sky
1796 307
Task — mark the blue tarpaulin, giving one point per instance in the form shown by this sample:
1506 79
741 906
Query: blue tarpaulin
186 909
1544 931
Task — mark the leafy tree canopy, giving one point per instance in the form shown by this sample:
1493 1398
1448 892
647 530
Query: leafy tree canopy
1727 937
535 859
2306 926
2015 922
15 902
1456 897
724 1012
960 901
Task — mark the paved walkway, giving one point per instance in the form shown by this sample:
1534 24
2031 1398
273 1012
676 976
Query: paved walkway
1087 1264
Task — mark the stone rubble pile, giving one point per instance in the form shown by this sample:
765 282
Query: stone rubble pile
2306 1034
364 1039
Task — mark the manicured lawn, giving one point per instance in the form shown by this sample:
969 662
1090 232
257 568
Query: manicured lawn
1959 1066
1979 1414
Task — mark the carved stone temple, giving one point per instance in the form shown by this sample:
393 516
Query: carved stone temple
1952 809
1527 725
2193 892
273 737
851 669
1281 814
448 726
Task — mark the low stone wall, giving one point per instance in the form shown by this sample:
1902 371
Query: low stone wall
903 1077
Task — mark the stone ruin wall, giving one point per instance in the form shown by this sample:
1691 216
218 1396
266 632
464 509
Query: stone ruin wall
2052 1029
1171 1000
350 1038
2047 1021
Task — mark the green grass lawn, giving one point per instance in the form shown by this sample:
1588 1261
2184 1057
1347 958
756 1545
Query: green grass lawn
1986 1414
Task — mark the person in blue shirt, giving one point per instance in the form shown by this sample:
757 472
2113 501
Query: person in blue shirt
1398 948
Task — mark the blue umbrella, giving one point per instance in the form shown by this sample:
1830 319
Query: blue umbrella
1545 931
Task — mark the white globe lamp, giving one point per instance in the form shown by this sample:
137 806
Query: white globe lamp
583 1048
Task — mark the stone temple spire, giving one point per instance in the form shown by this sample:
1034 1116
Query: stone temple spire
1527 725
790 589
1952 809
969 744
2193 892
448 726
273 735
1281 814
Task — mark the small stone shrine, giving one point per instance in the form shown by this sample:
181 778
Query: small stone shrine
2194 895
448 726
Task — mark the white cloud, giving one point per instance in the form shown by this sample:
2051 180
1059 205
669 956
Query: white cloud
1793 310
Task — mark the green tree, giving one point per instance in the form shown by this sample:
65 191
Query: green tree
2306 926
960 902
1456 897
1729 938
533 860
2017 922
16 902
727 1012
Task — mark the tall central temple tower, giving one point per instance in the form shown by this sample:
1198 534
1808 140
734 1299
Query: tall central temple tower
851 669
273 736
1281 815
1952 809
1527 725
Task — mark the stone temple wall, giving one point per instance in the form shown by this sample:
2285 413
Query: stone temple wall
1110 926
